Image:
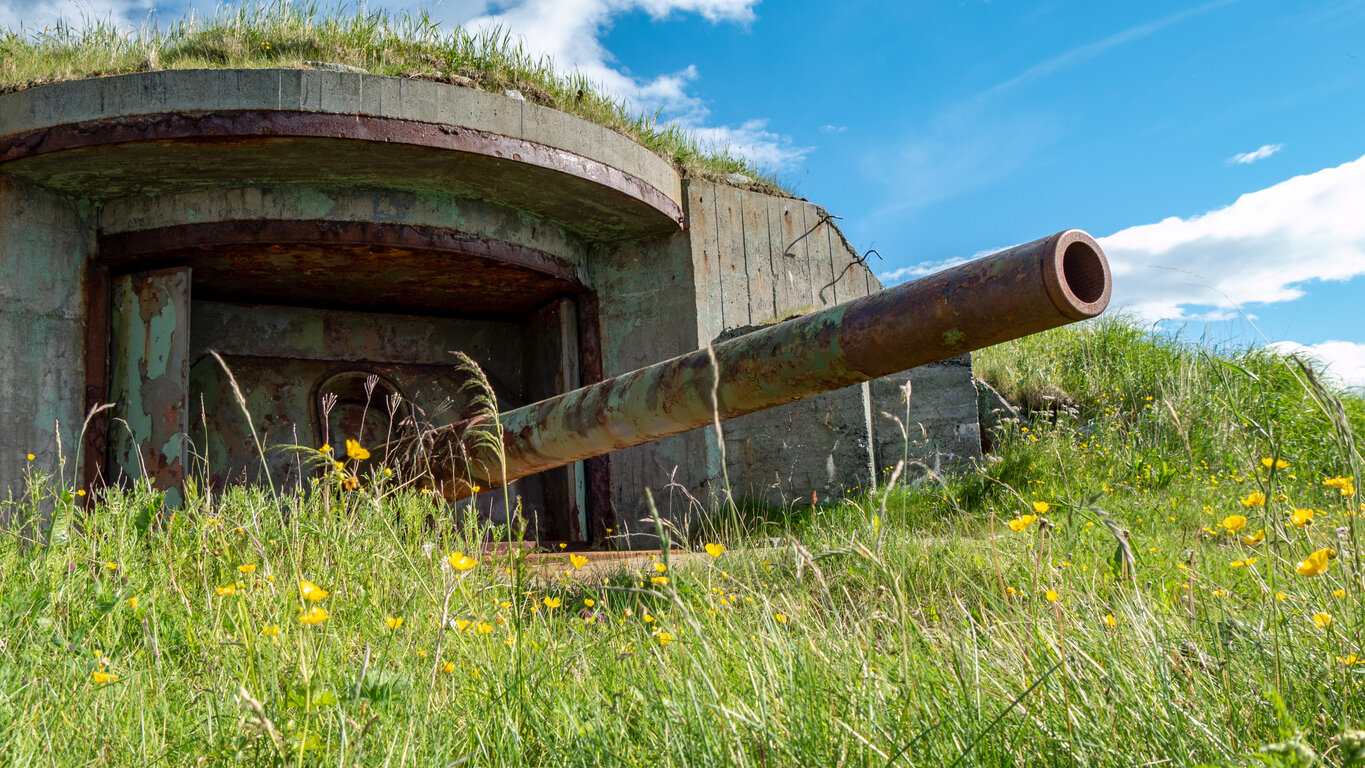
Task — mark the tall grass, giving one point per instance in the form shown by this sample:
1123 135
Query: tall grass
302 35
915 626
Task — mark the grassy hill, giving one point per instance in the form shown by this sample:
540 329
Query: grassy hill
282 34
1130 579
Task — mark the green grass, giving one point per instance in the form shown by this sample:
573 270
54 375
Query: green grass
912 628
285 34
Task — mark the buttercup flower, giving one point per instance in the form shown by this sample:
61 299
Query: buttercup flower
1110 621
132 602
315 615
1255 538
355 451
312 592
227 590
449 667
460 561
1301 517
1235 523
1041 507
715 550
394 622
552 602
1315 563
1276 463
660 567
326 448
1021 522
1322 619
271 630
1254 499
664 638
1052 596
577 561
659 580
247 568
781 618
101 677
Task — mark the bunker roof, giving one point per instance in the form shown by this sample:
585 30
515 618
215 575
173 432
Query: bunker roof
286 36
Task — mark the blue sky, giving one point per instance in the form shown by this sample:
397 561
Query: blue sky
1218 149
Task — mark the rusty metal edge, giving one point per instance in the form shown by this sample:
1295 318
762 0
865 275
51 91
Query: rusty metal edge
95 440
256 124
596 470
123 248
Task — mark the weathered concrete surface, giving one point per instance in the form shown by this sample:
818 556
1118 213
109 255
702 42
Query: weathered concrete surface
649 313
760 259
44 243
142 134
941 428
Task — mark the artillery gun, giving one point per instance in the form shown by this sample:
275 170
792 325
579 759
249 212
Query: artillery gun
1013 293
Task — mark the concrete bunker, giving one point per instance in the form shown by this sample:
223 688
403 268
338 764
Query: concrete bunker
334 237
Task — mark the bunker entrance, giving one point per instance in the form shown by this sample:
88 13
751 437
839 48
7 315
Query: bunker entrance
327 342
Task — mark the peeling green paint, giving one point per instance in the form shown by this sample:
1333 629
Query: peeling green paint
953 337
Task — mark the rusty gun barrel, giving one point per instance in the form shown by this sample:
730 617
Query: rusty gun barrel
1009 294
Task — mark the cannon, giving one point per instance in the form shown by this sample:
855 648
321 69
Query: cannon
1016 292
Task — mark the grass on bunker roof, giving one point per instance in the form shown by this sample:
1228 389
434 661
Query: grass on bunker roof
934 624
285 34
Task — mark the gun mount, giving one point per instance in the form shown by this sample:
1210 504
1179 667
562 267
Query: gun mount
1016 292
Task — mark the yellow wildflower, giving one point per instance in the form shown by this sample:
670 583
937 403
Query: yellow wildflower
1110 621
394 622
1052 596
1255 538
483 628
227 590
780 618
1234 523
664 637
326 448
659 580
316 615
355 451
1350 659
577 561
589 602
312 592
1281 596
1220 593
1254 499
1302 517
552 602
1338 593
449 667
1315 563
1021 522
1041 507
462 624
111 566
1276 463
132 602
1346 485
271 630
715 550
101 677
31 457
660 567
1240 563
247 568
1322 619
460 561
350 483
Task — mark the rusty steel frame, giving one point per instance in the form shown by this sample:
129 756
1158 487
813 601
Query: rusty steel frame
254 125
1013 293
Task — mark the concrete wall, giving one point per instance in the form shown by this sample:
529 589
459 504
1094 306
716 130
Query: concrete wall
941 431
45 241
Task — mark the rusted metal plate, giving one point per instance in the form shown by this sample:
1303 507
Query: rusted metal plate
126 155
353 264
95 449
601 516
1029 288
149 377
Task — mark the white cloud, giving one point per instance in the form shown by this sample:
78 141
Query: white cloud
1263 248
930 267
569 32
752 140
1344 360
833 128
1246 158
37 15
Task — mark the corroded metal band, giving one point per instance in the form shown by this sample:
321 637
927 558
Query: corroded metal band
229 125
125 247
